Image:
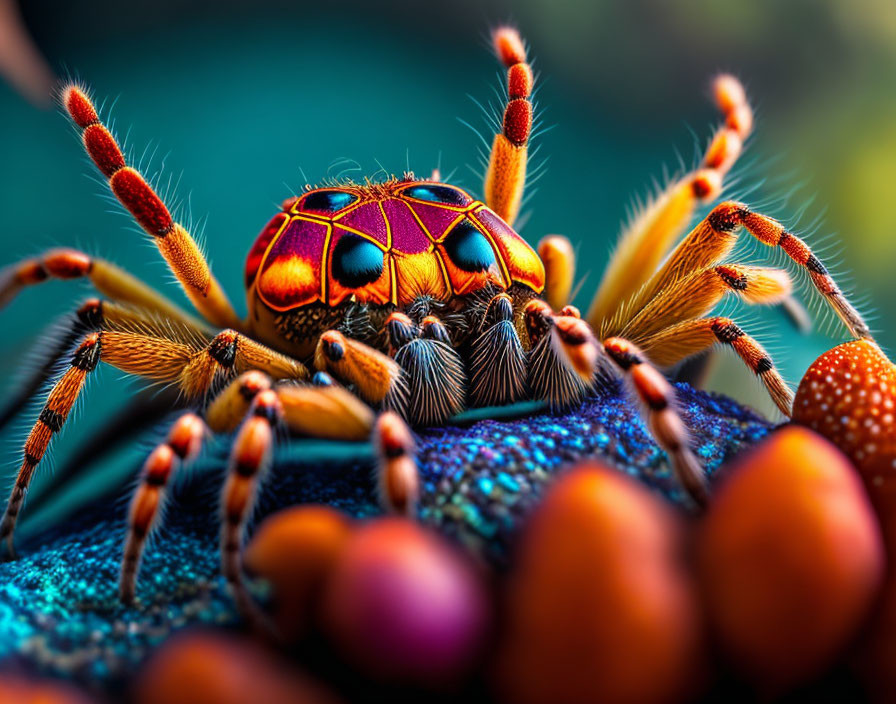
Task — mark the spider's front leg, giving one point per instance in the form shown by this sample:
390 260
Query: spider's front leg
497 359
324 412
657 397
173 240
433 370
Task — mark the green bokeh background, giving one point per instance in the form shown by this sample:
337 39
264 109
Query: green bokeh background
241 98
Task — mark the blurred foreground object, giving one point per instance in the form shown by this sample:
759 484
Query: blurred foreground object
20 61
790 559
600 606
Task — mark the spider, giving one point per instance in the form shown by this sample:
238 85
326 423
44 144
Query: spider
412 299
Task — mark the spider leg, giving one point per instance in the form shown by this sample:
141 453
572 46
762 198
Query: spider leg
249 458
647 239
691 337
142 348
658 401
377 377
176 245
505 177
497 359
561 359
559 261
432 368
398 480
699 292
182 444
110 280
714 237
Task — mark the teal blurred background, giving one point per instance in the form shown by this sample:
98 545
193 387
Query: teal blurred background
238 100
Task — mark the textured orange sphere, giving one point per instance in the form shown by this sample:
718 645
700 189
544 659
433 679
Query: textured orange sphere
849 396
790 557
295 549
214 668
600 607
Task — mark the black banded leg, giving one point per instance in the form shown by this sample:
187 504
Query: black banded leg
433 369
497 359
550 377
183 443
52 417
658 400
680 341
249 459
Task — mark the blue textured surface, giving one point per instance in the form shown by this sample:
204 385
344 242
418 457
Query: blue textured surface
58 604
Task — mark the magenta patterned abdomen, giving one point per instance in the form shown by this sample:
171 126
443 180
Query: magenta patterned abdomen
386 244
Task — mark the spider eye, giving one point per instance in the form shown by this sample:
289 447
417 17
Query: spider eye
469 249
436 193
356 262
328 201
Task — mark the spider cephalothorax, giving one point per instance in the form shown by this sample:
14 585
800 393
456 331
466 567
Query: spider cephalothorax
413 300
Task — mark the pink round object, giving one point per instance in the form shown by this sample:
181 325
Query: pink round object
404 606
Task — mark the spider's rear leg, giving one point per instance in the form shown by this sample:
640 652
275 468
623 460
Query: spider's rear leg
176 245
649 237
497 359
433 370
691 337
658 400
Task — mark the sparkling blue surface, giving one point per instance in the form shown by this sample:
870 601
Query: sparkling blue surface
58 603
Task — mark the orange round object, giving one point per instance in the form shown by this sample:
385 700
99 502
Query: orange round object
849 396
213 668
295 550
18 690
790 559
600 607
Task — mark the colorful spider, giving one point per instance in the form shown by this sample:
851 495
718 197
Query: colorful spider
418 300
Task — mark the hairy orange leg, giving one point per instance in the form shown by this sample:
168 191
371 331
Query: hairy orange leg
182 444
697 294
55 411
249 458
176 245
647 240
714 237
192 363
678 342
108 279
505 177
376 377
658 398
